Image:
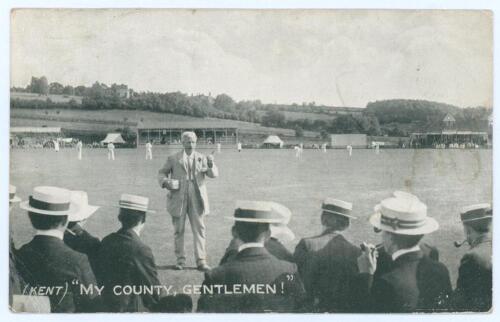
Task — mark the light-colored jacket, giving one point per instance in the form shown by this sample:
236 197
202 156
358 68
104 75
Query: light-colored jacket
175 168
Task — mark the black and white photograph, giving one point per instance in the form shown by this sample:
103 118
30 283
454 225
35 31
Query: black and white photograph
196 160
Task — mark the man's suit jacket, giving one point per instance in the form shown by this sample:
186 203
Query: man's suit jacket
47 261
474 283
175 168
327 264
273 246
83 242
253 266
125 260
415 283
16 283
385 262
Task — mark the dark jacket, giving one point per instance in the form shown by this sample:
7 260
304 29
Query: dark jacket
474 286
253 267
125 260
415 283
47 261
385 263
327 265
81 241
273 246
16 283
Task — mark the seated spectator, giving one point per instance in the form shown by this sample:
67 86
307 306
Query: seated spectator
280 233
75 236
327 263
16 283
414 283
124 260
251 267
474 283
47 262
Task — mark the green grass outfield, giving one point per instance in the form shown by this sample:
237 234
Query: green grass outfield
445 180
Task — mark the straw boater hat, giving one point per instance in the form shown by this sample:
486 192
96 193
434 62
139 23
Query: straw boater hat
281 231
337 207
12 194
134 202
52 201
477 212
84 209
404 216
256 212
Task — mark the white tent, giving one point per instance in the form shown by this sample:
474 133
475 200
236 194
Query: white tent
273 140
113 138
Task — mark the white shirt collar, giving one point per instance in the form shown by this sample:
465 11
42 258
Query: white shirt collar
51 232
250 245
187 157
401 252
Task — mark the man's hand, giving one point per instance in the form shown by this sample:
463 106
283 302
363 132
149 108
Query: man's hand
170 184
210 161
367 261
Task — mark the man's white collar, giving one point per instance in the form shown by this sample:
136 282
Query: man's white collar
250 245
51 232
401 252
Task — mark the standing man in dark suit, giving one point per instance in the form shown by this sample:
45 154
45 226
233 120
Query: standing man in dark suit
75 236
124 260
253 266
327 263
47 262
414 283
474 284
183 175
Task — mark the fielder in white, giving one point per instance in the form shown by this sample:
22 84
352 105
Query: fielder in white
149 151
111 151
79 147
349 150
56 145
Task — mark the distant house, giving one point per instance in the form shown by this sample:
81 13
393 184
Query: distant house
449 121
122 91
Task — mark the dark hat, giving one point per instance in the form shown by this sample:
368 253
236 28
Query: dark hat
337 207
476 212
256 212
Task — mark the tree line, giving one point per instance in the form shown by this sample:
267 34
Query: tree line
388 117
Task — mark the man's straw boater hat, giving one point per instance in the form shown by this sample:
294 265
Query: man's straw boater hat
404 215
337 207
84 209
475 213
134 202
12 194
256 212
52 201
281 231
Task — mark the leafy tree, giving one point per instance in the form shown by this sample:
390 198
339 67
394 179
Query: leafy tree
56 88
299 132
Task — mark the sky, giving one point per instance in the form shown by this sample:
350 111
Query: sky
330 57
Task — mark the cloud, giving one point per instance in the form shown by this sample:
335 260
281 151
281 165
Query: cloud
332 57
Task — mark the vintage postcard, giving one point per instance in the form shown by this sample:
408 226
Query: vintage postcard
250 161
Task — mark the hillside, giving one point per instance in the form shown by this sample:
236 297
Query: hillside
110 120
